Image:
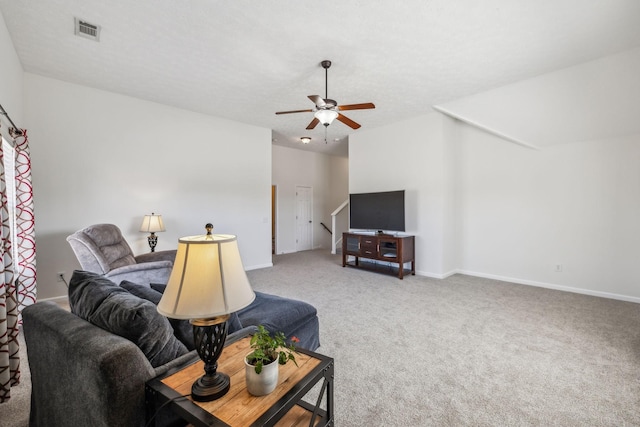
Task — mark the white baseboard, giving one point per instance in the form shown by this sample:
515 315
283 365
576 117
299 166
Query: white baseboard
434 275
552 286
64 298
259 266
286 252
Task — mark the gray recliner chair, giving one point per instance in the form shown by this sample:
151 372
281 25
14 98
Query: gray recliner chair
102 249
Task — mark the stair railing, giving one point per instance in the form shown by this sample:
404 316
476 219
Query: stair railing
326 228
334 237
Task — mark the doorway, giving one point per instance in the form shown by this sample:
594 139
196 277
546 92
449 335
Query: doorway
304 218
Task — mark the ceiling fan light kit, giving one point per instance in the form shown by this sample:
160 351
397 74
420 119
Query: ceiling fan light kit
327 110
326 117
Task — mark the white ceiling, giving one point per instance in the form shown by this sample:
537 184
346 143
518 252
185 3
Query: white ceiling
244 60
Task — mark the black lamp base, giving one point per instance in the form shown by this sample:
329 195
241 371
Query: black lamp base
153 241
209 336
209 388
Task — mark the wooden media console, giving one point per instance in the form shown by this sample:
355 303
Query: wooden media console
379 247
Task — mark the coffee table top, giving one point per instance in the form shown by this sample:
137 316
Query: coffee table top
238 407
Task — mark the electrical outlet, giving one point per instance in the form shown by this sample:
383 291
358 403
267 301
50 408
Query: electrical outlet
558 268
60 276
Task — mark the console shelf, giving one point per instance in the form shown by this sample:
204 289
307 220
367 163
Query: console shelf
379 247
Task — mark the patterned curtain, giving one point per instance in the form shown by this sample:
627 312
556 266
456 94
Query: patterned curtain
25 224
17 280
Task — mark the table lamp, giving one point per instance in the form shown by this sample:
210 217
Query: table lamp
207 283
152 224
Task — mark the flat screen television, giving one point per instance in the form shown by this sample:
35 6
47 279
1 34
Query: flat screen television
381 211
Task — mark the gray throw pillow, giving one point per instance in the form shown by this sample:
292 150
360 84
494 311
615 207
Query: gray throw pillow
182 329
110 307
142 291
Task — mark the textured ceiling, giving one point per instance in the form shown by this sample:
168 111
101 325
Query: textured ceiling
244 60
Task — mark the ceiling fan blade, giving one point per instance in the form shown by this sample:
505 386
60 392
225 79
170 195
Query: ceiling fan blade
317 99
294 111
365 106
313 123
347 121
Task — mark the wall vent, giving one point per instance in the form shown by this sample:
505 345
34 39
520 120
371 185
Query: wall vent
85 29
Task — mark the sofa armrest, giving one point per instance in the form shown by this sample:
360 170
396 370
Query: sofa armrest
178 362
289 316
82 375
143 273
169 255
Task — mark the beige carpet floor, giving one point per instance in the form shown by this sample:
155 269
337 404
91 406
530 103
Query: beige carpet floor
463 351
15 412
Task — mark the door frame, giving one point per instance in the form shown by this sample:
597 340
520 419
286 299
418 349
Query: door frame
274 219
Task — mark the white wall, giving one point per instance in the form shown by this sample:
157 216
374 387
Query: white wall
411 156
594 100
10 81
450 202
481 205
339 192
526 211
293 168
102 157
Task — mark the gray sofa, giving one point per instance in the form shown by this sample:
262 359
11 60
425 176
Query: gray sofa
88 375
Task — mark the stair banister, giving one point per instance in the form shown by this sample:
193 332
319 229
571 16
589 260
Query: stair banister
334 237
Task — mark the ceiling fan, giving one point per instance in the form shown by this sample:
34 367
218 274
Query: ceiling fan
327 110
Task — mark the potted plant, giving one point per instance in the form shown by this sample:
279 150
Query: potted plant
261 365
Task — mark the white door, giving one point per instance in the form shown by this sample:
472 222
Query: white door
304 224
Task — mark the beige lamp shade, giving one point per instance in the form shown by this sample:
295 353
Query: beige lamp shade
152 223
207 280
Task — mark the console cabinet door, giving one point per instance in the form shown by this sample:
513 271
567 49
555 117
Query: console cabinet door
388 249
352 245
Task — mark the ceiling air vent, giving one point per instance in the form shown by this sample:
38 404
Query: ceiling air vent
85 29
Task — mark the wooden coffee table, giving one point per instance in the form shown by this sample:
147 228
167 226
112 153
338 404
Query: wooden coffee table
284 406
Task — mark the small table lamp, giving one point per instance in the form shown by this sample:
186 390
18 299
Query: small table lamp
207 283
152 224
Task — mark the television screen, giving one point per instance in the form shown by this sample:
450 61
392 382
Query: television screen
383 211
